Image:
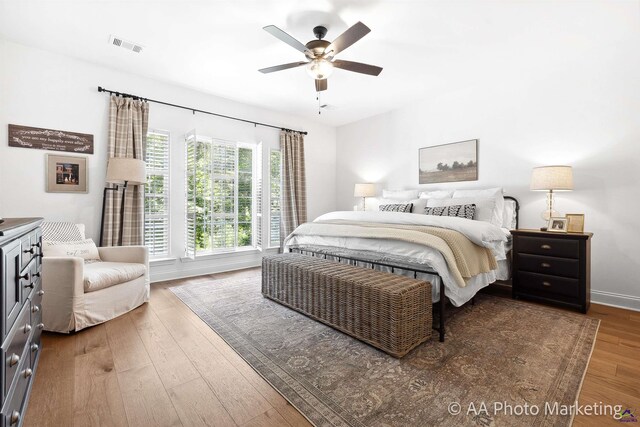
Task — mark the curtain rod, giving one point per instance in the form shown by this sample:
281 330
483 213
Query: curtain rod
194 110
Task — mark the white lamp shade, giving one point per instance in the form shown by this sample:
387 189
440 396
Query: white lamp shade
121 169
556 178
364 190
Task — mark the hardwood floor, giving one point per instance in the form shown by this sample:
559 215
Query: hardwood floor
160 365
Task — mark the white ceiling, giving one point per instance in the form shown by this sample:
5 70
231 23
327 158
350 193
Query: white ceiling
426 47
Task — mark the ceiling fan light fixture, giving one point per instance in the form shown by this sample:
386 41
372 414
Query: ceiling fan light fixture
319 68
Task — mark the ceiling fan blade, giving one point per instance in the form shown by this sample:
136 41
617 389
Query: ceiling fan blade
321 85
357 67
346 39
281 67
281 35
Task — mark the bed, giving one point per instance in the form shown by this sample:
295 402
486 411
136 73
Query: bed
345 236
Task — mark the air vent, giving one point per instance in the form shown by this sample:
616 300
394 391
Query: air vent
120 42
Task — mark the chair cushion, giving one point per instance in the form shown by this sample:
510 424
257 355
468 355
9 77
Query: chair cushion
100 275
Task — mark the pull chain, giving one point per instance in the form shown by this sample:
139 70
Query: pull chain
319 103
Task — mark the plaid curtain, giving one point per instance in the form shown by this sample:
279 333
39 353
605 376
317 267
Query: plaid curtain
294 185
128 123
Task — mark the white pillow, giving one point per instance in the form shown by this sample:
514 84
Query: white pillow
485 207
81 248
508 217
400 194
491 193
438 194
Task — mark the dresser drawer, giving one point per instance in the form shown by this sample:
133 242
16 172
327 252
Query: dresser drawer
36 301
30 277
549 285
13 350
37 244
565 267
13 410
548 246
26 249
34 344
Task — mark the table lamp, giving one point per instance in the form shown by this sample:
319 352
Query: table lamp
550 179
364 190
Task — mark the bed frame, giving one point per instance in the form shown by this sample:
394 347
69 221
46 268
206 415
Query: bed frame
442 303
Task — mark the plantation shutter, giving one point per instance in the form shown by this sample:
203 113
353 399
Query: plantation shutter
156 200
224 166
275 187
258 197
190 195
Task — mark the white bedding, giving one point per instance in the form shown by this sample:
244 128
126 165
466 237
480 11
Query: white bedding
481 233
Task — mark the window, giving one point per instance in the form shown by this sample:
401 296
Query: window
156 196
275 185
220 206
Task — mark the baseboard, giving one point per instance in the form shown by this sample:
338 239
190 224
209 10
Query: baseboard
200 271
612 299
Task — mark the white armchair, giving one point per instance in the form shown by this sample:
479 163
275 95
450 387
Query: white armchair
79 295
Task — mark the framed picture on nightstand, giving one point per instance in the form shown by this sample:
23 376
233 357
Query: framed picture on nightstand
576 223
557 224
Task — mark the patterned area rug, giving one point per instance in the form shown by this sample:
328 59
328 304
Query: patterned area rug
499 352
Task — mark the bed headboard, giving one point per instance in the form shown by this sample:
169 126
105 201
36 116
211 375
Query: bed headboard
516 209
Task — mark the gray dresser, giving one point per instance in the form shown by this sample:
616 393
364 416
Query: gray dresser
20 265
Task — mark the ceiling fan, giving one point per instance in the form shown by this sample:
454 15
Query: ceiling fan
321 53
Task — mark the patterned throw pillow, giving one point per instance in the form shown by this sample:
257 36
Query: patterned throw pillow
61 232
459 211
82 248
396 208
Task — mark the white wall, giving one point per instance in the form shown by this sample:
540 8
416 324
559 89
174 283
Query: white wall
582 110
43 89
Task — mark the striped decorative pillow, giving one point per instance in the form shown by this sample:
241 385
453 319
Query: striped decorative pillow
61 232
459 211
398 207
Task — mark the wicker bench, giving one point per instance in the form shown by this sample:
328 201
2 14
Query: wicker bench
390 312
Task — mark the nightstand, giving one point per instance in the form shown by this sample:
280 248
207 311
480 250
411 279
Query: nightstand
552 267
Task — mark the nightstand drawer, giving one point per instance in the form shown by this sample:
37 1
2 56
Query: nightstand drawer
545 284
565 267
548 246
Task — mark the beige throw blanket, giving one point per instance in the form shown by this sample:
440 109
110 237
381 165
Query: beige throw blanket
464 258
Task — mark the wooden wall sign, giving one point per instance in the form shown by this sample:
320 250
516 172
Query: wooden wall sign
49 139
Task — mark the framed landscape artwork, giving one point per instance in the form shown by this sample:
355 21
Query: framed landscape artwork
453 162
66 174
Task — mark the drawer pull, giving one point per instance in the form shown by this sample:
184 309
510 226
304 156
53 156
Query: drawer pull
36 245
545 265
34 347
36 274
546 284
27 373
27 328
30 285
25 276
15 417
40 326
35 309
13 360
29 251
545 247
40 292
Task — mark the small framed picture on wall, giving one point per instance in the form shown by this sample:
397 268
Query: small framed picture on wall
66 174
